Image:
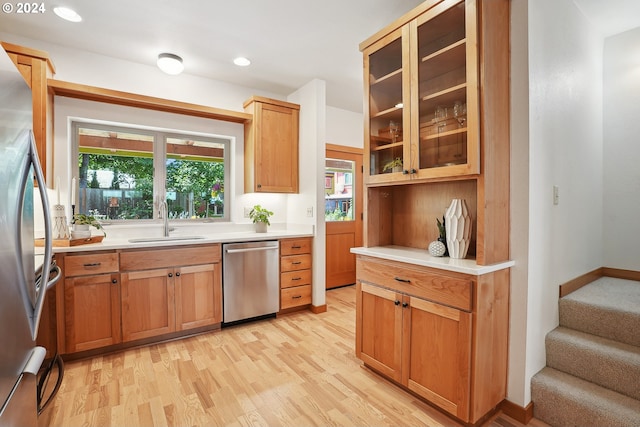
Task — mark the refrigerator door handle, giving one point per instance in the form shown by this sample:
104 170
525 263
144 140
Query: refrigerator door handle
42 189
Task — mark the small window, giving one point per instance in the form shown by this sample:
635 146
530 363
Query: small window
123 173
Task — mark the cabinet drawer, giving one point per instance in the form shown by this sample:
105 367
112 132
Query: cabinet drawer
165 258
295 297
421 282
295 278
96 263
295 246
295 262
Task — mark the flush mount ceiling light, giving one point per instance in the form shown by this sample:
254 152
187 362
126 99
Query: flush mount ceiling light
68 14
241 61
170 63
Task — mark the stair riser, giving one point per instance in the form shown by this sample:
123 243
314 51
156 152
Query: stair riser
561 403
594 362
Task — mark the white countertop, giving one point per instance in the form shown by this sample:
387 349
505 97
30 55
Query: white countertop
422 257
119 237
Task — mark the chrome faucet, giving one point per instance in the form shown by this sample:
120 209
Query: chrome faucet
164 215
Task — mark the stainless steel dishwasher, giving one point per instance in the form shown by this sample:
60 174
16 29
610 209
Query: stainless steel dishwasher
250 280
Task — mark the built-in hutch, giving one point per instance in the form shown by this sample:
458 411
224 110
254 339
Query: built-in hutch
436 95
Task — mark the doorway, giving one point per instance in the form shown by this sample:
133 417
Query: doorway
343 212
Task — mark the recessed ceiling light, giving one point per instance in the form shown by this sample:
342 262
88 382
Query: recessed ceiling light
170 63
241 61
68 14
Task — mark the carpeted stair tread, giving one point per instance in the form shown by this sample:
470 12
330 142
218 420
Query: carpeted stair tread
608 307
608 363
560 399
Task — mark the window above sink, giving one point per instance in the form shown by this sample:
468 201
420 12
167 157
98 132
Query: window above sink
124 172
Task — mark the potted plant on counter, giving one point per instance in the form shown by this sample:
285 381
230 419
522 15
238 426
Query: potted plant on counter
81 224
260 217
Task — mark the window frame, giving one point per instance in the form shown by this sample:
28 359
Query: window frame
160 136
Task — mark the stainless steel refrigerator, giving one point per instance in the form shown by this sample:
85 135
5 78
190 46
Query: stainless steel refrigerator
24 276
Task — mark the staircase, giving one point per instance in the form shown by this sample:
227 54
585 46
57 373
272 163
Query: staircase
592 377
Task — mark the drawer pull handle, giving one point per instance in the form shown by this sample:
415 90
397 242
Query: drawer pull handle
296 262
297 278
296 247
396 302
296 297
402 280
92 264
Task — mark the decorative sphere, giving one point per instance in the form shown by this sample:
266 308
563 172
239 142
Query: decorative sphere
437 248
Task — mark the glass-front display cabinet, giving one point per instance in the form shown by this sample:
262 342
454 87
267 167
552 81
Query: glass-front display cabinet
421 97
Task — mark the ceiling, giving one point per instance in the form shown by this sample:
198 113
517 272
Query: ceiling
290 42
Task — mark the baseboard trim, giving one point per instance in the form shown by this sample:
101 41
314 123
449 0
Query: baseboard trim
575 284
621 274
316 309
521 414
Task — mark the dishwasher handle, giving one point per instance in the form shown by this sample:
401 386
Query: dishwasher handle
237 251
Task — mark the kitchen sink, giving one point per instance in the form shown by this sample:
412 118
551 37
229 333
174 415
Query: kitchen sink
164 239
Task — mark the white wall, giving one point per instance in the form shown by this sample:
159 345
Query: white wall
345 127
622 150
565 149
312 100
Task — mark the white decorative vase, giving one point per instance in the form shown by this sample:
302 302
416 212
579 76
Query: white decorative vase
437 248
458 225
60 228
261 227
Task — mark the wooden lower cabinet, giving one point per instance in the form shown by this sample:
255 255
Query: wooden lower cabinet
454 358
91 301
148 299
295 273
172 298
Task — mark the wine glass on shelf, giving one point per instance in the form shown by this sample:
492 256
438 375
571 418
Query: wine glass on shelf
393 130
460 113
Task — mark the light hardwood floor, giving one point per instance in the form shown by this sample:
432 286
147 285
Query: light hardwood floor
296 370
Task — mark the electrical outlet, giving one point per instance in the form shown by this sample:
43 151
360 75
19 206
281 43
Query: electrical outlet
310 212
246 212
556 194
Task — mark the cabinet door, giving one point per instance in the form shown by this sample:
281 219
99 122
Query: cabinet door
147 303
386 65
379 326
198 292
446 123
271 148
437 348
92 312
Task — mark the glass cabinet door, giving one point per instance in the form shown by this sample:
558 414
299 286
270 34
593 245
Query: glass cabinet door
447 100
385 93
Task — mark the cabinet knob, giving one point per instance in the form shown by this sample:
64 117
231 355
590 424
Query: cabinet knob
114 281
178 274
396 302
405 172
405 304
259 185
170 274
414 171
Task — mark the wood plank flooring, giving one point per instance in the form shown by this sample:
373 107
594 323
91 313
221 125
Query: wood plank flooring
296 370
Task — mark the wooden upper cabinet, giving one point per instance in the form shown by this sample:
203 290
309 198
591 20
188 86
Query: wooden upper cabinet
36 67
271 146
421 96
